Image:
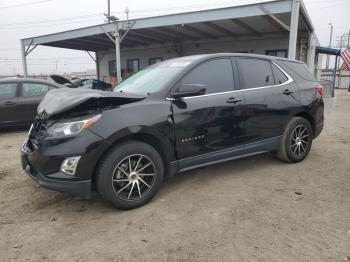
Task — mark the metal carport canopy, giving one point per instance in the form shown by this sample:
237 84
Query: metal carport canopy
254 19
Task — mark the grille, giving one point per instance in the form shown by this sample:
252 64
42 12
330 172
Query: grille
39 131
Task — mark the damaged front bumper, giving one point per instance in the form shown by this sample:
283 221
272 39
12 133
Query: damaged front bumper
42 161
78 188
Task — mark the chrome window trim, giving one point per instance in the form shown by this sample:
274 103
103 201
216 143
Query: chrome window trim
289 80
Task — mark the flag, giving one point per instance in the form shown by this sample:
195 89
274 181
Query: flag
345 55
344 67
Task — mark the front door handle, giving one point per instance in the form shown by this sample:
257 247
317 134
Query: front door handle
233 100
287 92
9 103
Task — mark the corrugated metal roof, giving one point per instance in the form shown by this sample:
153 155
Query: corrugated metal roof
237 18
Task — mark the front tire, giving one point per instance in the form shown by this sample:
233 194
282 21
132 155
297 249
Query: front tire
295 144
130 175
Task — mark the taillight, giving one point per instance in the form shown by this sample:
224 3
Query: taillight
320 89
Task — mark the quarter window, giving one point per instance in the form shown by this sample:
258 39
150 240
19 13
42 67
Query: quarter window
8 90
280 77
256 72
34 89
300 69
215 76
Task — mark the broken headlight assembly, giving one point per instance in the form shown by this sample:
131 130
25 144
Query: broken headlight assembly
70 128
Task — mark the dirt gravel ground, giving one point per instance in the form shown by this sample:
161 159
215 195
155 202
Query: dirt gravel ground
253 209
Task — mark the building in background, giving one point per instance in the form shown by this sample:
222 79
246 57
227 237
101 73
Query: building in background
280 28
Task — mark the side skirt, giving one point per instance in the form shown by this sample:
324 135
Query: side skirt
225 155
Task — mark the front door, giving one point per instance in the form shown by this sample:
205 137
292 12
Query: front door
30 96
8 104
211 122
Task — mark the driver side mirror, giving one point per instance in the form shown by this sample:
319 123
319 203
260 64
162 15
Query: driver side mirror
186 90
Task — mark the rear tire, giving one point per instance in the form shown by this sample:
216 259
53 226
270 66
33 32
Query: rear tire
296 141
130 175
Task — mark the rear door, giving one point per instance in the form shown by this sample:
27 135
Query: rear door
31 94
270 94
210 122
8 103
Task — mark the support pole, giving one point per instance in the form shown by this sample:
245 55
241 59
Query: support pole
329 45
293 33
24 59
109 11
117 55
334 74
97 61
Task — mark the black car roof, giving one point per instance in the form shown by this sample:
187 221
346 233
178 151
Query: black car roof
196 58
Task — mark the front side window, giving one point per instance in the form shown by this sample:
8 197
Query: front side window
8 90
133 65
34 89
215 76
255 72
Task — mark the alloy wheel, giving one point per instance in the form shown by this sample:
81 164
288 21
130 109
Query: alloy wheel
300 140
133 177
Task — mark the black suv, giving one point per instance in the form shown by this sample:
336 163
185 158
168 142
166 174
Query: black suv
171 117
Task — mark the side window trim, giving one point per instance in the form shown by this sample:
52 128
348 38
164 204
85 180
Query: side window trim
234 58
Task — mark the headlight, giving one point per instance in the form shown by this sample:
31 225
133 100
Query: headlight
69 128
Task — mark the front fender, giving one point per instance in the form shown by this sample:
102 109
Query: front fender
151 119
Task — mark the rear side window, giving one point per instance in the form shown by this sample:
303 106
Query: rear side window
280 77
300 69
8 90
255 72
215 76
34 89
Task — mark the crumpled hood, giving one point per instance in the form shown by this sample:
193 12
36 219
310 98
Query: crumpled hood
60 80
63 99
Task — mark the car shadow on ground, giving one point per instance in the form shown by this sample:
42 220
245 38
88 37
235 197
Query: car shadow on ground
209 174
200 176
219 171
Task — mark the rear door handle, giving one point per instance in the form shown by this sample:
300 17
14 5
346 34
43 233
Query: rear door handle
9 103
287 92
233 100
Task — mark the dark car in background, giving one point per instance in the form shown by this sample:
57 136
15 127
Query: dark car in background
171 117
19 99
82 83
91 83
